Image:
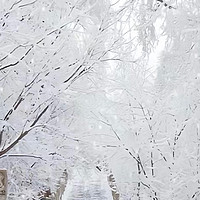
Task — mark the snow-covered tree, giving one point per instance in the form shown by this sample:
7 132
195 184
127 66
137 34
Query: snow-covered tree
46 47
147 114
79 86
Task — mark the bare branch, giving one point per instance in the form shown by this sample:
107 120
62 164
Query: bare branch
22 156
39 116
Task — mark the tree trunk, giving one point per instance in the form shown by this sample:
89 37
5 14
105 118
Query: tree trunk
112 184
3 184
61 187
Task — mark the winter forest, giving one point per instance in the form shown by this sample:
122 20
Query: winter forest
104 87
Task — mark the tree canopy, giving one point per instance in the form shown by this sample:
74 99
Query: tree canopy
111 85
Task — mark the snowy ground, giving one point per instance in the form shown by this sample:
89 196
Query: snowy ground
91 187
